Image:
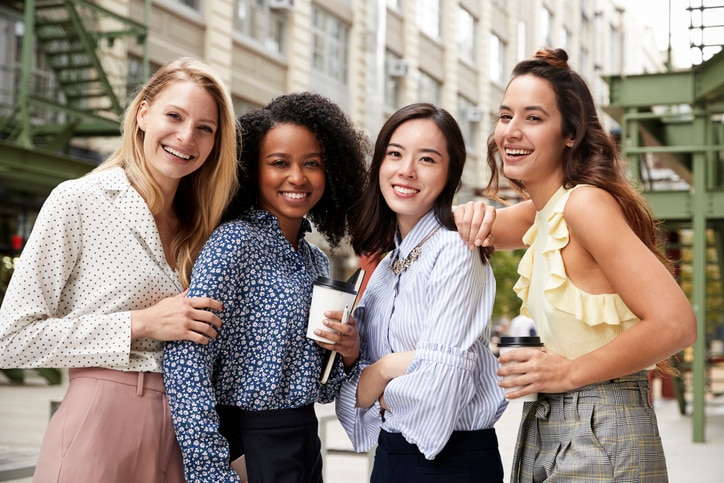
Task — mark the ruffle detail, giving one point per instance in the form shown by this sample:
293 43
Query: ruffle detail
559 291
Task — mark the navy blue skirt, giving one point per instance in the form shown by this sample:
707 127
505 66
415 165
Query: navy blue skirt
469 456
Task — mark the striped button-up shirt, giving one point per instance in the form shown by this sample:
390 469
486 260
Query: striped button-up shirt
440 307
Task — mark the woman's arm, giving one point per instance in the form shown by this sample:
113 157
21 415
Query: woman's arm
189 368
375 377
629 269
34 330
476 223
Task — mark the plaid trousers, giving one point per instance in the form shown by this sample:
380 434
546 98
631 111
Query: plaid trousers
605 432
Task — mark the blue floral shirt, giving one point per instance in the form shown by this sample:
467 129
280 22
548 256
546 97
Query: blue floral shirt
261 358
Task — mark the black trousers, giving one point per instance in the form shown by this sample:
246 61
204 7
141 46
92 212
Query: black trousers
281 446
469 456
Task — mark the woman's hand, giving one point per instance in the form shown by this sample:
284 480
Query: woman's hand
345 338
536 371
474 220
178 318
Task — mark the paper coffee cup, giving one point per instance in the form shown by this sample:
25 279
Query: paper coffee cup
327 295
527 342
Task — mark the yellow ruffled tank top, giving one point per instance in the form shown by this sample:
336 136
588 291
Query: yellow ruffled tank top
569 321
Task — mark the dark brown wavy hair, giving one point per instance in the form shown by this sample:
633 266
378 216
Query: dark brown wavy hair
593 159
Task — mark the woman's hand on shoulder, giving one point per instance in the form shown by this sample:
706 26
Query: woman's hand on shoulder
503 228
178 318
474 220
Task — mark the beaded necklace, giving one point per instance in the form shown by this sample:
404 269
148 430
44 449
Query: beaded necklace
401 265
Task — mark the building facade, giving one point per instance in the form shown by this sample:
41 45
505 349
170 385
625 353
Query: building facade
370 56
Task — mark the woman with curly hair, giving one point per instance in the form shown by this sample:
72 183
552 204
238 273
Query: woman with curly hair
251 392
593 279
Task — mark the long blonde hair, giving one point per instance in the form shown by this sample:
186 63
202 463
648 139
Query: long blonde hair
203 195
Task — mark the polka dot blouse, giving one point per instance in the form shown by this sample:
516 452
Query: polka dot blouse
93 256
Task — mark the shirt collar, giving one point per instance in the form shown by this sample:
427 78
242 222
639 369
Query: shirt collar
423 228
266 217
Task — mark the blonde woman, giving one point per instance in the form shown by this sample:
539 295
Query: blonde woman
100 284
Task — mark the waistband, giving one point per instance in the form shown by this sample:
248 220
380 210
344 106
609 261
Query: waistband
477 440
152 381
623 390
270 418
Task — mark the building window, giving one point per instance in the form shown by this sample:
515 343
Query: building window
585 67
395 70
329 71
262 25
429 18
195 4
469 118
522 51
544 35
429 89
330 45
615 57
496 59
465 37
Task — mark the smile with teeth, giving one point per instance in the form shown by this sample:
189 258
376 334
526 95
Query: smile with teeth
294 196
178 154
518 152
405 191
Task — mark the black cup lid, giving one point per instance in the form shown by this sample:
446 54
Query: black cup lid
335 284
527 341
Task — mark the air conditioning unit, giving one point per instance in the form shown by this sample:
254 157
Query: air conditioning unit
281 4
473 114
398 68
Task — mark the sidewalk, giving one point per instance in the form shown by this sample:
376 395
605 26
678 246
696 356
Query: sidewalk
24 412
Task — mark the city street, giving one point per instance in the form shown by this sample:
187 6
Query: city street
24 412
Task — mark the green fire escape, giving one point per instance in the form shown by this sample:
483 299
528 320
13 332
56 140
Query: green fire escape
67 86
674 122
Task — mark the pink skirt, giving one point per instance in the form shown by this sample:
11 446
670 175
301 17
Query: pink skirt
112 426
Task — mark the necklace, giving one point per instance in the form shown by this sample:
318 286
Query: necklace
401 265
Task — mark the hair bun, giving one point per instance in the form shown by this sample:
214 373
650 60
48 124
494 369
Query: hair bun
553 57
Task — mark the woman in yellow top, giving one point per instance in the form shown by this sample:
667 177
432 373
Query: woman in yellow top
593 278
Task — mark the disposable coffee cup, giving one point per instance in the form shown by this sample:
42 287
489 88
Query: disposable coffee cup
328 295
527 342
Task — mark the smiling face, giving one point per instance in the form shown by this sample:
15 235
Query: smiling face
528 134
291 176
179 131
414 170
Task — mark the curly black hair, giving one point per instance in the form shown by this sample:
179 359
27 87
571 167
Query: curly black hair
345 150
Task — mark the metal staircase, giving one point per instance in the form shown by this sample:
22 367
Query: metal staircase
674 122
71 83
